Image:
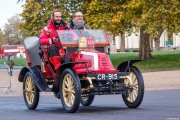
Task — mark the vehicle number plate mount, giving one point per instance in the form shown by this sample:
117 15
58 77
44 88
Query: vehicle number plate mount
109 76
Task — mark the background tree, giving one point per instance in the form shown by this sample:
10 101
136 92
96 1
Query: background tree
159 16
2 38
36 13
11 30
109 15
150 17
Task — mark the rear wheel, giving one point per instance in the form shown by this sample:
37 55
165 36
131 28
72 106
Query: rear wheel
30 91
86 99
134 97
70 90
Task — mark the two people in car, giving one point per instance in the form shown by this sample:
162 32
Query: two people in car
49 37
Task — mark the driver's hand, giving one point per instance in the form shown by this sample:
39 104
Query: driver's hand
54 39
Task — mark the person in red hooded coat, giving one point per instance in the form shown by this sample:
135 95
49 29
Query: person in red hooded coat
48 36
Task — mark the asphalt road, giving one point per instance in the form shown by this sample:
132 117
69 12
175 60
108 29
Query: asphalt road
156 105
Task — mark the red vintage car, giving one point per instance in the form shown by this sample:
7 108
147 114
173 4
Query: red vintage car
86 71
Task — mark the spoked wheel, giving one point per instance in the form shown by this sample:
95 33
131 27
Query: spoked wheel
134 96
86 99
70 90
30 92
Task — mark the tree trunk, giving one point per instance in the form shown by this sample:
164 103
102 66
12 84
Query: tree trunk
144 47
122 47
157 44
157 40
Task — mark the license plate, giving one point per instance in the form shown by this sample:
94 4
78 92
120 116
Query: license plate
110 76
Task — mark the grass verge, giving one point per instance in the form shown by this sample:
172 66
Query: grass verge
161 60
17 61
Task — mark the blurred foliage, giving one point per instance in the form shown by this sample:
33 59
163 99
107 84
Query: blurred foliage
2 38
117 16
37 13
12 31
152 17
129 15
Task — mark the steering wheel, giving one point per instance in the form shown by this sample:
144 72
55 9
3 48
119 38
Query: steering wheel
67 37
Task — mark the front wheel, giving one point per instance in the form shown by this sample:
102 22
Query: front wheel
30 91
134 96
70 90
86 100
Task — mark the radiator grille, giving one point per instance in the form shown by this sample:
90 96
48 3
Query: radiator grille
104 62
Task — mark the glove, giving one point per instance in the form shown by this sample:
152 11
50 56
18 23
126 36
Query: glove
57 44
61 52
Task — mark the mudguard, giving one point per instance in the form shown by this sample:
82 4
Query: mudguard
38 78
68 65
125 66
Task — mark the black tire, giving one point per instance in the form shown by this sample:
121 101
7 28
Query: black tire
134 97
30 91
70 90
86 100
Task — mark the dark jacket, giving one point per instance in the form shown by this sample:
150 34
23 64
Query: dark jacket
71 25
11 64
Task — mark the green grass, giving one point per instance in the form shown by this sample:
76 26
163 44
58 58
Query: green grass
162 60
17 61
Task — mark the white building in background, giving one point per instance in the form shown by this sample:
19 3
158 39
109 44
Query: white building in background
118 42
163 39
176 40
132 41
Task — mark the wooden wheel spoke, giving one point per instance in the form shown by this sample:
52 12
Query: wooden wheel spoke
72 99
66 83
72 91
73 96
69 99
32 98
71 88
131 96
71 82
65 89
135 94
135 86
134 79
30 84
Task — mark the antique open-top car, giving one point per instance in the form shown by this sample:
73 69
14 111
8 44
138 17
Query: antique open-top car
86 71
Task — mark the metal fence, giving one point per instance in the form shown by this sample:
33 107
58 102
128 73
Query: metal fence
5 79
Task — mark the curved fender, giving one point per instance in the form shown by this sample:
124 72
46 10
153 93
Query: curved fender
38 78
22 73
67 65
125 66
